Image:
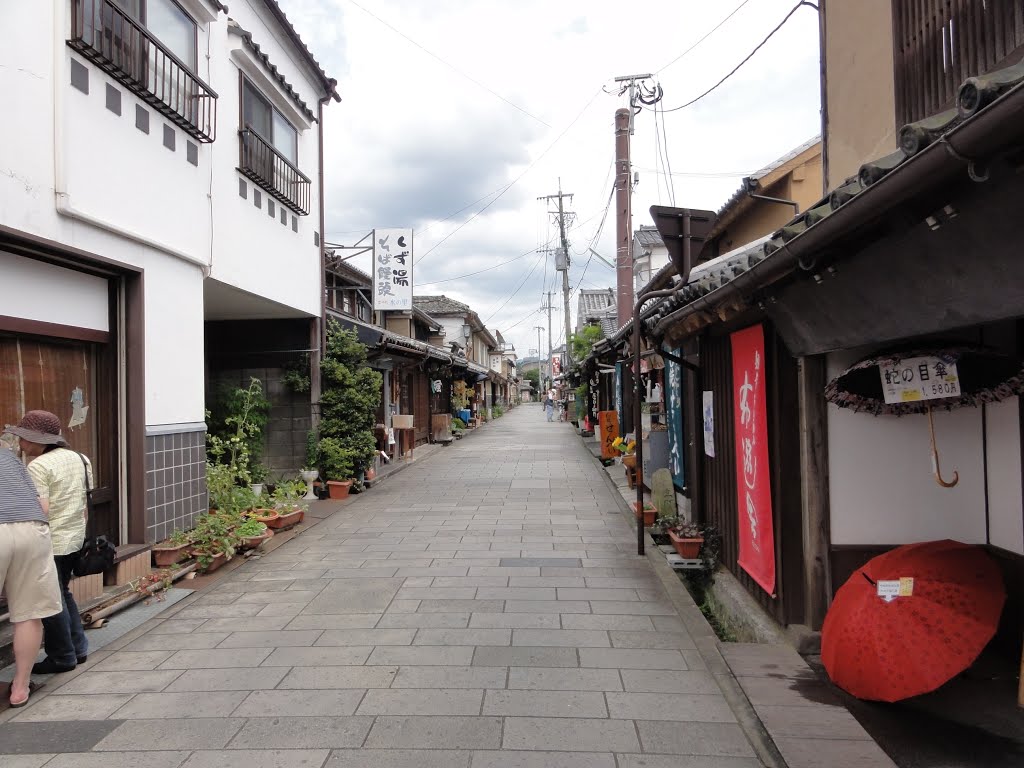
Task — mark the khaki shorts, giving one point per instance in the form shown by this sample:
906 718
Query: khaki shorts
27 571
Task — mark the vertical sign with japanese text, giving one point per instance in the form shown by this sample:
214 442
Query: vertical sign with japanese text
392 270
753 477
674 416
608 423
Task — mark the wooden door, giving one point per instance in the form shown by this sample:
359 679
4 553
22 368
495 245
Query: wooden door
71 379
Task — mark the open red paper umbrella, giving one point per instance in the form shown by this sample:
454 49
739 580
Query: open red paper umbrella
911 619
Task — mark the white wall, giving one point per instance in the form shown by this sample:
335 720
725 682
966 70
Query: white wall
33 290
1006 519
881 486
253 251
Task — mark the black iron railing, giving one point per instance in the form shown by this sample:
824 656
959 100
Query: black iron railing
258 160
119 45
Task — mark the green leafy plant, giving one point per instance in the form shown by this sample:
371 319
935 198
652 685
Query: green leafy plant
348 407
583 342
250 529
461 395
312 448
497 412
296 375
287 496
236 422
178 538
457 424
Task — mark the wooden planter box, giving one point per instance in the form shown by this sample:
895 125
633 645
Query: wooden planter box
686 548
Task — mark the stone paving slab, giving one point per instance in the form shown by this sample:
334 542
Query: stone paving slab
482 609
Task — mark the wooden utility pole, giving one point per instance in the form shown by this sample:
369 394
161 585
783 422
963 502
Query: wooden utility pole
562 261
624 203
540 360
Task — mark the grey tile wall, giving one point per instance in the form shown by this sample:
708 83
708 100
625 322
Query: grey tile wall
175 482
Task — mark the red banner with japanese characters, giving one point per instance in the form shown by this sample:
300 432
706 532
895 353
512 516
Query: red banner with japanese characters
753 478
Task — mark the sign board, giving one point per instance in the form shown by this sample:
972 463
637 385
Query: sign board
674 415
708 417
919 378
608 422
556 365
618 391
392 270
753 475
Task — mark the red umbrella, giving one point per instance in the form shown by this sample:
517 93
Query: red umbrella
912 619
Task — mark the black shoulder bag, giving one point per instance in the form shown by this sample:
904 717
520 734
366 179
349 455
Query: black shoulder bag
97 553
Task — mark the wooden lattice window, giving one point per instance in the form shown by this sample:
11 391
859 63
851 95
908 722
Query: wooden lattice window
937 44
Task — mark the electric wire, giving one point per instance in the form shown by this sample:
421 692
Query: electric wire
669 181
449 64
512 295
705 37
480 271
512 183
748 57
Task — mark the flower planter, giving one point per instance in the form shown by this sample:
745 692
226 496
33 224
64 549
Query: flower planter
218 560
164 557
339 488
262 515
253 542
286 520
650 514
686 548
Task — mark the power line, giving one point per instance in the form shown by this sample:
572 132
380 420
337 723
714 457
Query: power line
669 181
749 56
449 64
479 271
512 183
705 37
510 297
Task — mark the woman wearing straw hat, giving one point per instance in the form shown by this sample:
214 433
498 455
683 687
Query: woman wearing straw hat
59 474
27 569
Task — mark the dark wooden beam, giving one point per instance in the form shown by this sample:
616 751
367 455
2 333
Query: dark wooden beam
814 489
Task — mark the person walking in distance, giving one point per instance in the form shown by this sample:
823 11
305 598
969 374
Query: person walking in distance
59 475
27 569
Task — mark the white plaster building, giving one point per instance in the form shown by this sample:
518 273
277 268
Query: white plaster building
159 196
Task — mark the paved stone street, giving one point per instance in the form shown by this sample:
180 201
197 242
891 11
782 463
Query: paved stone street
483 608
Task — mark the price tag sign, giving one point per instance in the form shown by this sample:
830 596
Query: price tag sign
919 378
888 590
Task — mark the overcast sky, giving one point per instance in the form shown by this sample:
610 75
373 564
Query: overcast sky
457 99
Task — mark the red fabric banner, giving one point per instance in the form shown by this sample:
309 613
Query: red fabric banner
753 477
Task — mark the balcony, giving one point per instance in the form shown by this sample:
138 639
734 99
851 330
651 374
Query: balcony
259 161
119 45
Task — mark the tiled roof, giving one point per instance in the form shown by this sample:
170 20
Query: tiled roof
649 236
235 28
330 85
975 97
440 305
728 212
596 300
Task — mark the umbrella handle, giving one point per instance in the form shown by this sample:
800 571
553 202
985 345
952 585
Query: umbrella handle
935 458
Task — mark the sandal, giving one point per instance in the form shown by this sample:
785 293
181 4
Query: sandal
31 689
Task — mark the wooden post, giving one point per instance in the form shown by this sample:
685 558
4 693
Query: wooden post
1020 685
814 489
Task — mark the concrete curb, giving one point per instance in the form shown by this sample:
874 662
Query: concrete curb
707 643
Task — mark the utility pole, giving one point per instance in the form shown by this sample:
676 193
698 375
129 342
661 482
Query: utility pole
540 363
562 261
548 307
624 202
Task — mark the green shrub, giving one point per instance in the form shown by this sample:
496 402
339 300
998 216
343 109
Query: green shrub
497 411
457 424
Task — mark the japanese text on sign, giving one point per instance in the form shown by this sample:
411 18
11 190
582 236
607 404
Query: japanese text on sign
392 269
753 486
919 378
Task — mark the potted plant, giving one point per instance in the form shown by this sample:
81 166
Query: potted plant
687 538
258 475
288 505
348 405
214 540
171 550
252 534
650 512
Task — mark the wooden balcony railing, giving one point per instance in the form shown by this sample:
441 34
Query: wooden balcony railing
258 160
119 45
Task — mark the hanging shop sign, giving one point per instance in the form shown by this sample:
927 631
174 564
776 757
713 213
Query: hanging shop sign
753 477
708 415
919 378
674 415
392 270
608 422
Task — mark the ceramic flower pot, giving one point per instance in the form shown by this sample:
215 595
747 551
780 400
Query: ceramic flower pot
254 542
686 548
650 514
262 515
166 556
286 520
339 488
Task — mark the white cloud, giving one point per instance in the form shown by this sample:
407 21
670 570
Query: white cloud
414 141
